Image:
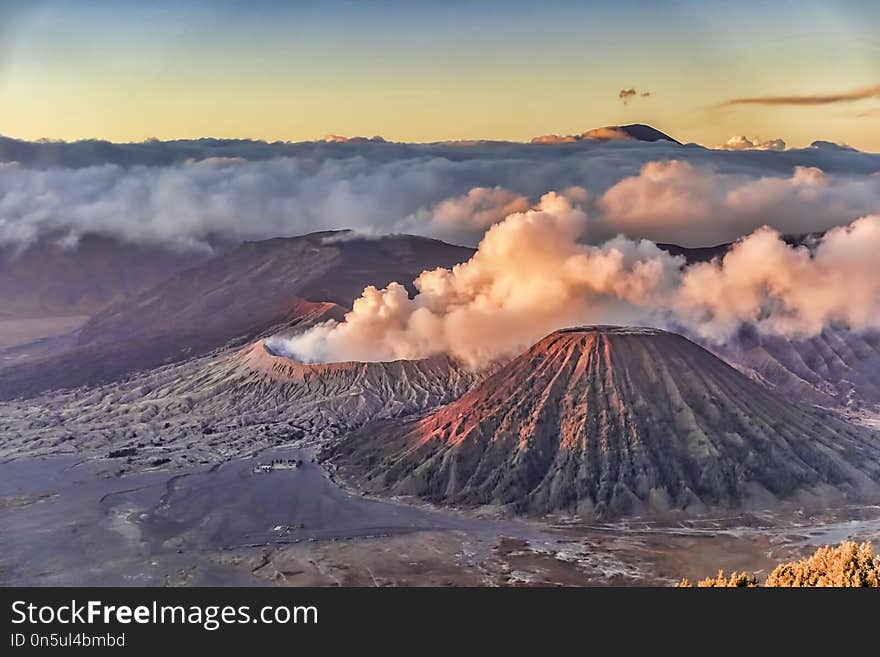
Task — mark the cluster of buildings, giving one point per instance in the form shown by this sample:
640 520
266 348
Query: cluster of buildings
277 464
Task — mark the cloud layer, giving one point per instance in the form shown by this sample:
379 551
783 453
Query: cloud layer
674 201
189 195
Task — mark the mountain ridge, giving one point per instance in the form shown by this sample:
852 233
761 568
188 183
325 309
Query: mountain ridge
232 298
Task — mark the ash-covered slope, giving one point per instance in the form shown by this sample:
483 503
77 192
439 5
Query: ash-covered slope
838 367
344 394
223 405
47 278
616 421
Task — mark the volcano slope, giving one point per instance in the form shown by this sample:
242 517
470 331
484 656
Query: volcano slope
224 405
610 422
231 299
836 368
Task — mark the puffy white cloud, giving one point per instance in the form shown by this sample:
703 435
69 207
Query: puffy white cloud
742 143
789 290
608 133
556 139
462 218
674 201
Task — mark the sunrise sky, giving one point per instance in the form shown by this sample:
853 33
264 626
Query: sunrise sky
424 71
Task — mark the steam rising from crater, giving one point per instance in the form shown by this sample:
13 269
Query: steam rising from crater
532 274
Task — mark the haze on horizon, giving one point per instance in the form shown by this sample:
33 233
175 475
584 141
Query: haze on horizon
427 71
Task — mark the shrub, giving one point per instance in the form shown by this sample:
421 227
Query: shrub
847 565
736 580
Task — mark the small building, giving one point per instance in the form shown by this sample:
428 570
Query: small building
277 464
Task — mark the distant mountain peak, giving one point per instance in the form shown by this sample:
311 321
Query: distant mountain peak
631 132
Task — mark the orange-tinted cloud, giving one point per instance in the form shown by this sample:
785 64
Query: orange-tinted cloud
608 133
675 201
810 99
743 143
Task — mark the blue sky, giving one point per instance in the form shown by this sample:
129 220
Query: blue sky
433 70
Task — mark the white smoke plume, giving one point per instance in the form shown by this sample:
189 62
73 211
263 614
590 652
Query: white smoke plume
531 275
782 289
